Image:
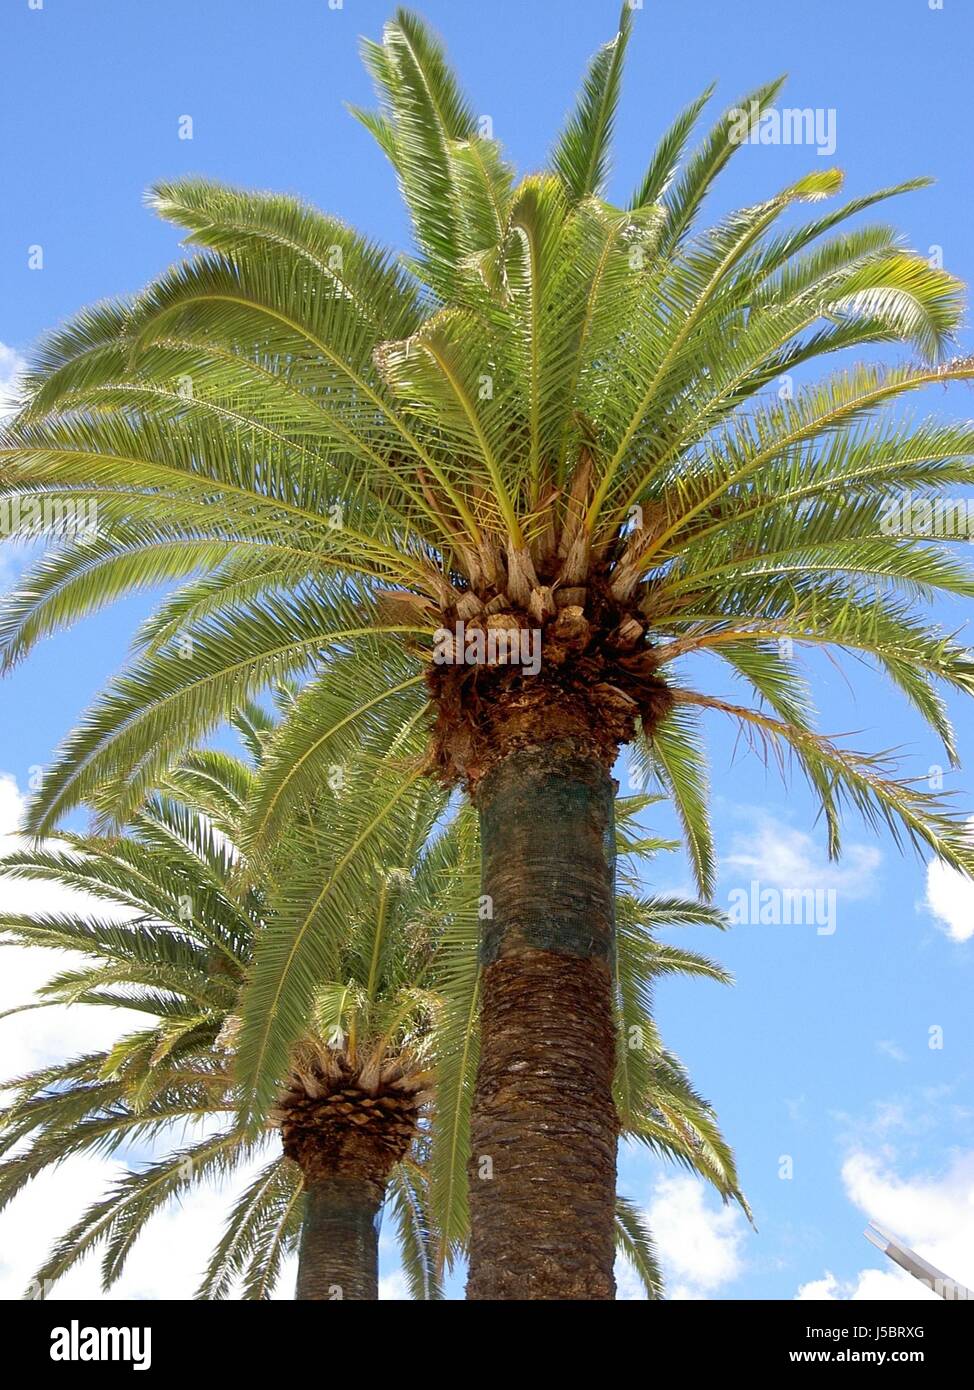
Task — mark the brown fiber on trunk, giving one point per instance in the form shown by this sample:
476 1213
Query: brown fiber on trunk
339 1253
544 1128
598 676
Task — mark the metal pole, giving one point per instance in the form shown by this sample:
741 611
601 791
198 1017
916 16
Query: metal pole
909 1260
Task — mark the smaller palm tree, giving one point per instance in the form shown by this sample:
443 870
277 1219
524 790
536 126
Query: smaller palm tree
349 1105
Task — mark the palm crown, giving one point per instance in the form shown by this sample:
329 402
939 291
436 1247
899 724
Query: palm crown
557 405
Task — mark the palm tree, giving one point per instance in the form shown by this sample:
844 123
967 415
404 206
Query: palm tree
556 421
349 1110
349 1107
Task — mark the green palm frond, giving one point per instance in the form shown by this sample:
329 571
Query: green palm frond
635 1242
260 1229
581 155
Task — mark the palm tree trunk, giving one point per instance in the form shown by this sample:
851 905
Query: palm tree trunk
544 1128
339 1254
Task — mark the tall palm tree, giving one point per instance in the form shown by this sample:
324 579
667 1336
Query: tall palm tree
349 1113
558 420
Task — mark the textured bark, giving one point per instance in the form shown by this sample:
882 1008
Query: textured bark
339 1254
544 1127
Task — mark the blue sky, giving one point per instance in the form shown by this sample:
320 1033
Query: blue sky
821 1051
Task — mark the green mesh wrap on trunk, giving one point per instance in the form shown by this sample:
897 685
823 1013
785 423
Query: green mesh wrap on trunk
339 1254
548 847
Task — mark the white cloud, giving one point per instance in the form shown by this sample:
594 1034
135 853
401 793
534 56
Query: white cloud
168 1261
699 1242
950 897
44 1035
11 367
629 1286
821 1289
43 1212
892 1285
891 1049
934 1215
393 1286
783 857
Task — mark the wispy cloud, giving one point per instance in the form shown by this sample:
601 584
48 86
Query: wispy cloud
783 857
